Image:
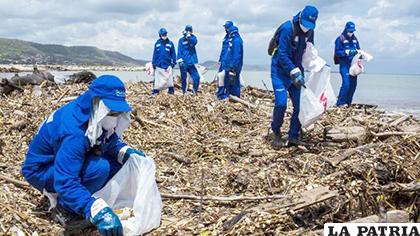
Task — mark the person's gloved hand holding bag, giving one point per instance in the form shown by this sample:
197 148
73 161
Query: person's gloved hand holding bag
127 152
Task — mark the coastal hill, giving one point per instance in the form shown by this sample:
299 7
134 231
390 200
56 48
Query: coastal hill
15 51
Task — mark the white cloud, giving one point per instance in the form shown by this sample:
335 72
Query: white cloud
387 29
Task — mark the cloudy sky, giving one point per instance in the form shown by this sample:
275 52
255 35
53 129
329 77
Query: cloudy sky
389 30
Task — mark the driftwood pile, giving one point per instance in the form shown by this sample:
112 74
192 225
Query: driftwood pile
41 78
217 171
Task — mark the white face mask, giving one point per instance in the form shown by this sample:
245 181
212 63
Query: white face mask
164 37
304 29
109 123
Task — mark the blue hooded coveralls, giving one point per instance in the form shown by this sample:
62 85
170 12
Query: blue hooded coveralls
225 45
60 158
164 56
349 83
233 61
287 57
187 52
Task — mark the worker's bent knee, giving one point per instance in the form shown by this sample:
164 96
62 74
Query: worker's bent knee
96 173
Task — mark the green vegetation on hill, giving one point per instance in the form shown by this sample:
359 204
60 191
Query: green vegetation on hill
14 51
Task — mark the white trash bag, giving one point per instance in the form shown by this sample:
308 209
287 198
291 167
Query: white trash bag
201 71
318 94
149 69
163 78
310 107
221 79
134 187
357 66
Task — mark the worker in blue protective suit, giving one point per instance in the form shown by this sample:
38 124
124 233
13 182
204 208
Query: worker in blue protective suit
187 58
232 64
78 148
346 46
225 46
164 55
287 71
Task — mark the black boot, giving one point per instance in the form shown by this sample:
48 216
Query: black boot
294 142
70 221
277 142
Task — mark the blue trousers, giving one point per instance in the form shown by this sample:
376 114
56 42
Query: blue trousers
348 87
192 70
96 171
280 104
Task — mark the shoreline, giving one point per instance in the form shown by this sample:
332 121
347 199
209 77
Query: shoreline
17 68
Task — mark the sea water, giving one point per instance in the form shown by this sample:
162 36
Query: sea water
394 93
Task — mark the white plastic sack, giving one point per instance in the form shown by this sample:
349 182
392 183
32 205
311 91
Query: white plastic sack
319 94
201 71
310 107
149 69
134 186
357 66
310 59
221 79
163 78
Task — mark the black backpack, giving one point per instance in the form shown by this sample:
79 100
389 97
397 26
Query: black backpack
336 58
273 45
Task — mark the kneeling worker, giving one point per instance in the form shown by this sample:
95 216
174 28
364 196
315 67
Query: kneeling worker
79 148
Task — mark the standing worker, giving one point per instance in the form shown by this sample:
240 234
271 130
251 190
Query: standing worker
232 64
78 149
287 71
164 60
225 46
346 46
187 58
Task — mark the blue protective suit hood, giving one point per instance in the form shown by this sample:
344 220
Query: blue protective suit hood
232 30
189 28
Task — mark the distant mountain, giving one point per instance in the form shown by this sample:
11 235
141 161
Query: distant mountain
212 65
14 51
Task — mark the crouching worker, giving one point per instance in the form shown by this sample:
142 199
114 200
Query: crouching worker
78 148
287 71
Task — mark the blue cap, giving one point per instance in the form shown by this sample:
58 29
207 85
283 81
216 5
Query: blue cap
163 32
350 27
110 89
228 24
188 28
308 17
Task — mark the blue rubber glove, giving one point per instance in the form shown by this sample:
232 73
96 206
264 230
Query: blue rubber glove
297 78
352 52
130 151
105 220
